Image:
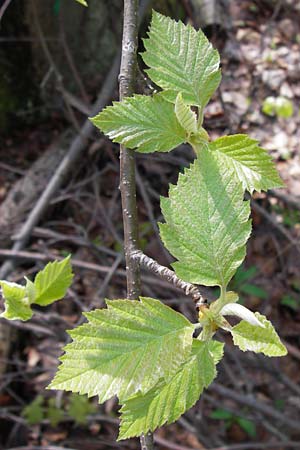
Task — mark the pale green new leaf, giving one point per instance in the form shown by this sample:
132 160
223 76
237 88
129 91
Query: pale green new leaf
52 282
207 222
17 305
181 59
252 164
146 123
125 348
257 339
82 2
166 402
186 117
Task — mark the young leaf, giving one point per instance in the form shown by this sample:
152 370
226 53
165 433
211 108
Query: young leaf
17 305
234 309
260 340
52 282
181 59
252 164
82 2
146 123
207 222
123 349
166 402
186 117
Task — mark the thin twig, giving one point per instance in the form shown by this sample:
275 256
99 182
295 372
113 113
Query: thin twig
168 275
127 80
3 8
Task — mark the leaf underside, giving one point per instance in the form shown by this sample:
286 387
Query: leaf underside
252 164
207 223
181 59
168 401
257 339
123 349
17 306
143 122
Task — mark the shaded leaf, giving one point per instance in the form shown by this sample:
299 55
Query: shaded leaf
80 408
33 413
186 117
53 413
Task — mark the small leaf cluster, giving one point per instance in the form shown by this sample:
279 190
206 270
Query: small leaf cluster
50 284
142 351
78 408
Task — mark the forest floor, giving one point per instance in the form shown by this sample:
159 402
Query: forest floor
254 402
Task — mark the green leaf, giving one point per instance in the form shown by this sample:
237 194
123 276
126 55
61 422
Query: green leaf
269 106
125 348
53 413
146 123
243 275
186 117
80 408
33 413
247 425
280 106
82 2
181 59
252 164
168 401
290 301
17 305
260 340
52 282
284 107
221 414
256 291
207 222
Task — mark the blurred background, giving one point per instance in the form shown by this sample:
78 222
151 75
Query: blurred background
59 194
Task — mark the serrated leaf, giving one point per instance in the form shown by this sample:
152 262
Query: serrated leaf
260 340
186 117
17 305
123 349
146 123
207 222
167 402
52 282
252 164
181 59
